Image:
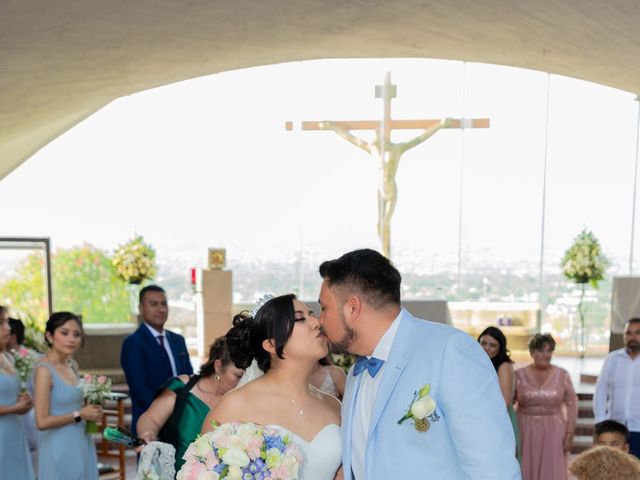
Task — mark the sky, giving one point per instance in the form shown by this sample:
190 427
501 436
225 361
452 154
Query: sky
207 163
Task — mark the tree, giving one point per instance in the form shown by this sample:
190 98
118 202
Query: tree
26 292
584 263
84 282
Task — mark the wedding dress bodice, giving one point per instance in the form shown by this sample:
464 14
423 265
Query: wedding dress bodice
322 456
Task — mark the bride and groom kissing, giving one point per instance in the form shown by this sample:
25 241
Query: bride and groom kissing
421 401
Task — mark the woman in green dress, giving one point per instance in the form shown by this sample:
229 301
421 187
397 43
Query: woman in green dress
177 413
493 341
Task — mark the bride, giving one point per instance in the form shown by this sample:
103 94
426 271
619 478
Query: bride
285 340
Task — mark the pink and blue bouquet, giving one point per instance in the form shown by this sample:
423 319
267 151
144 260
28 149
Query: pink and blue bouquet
95 390
24 360
240 451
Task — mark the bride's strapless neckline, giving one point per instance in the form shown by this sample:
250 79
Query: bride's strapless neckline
309 442
321 456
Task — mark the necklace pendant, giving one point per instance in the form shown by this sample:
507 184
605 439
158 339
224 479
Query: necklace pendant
301 412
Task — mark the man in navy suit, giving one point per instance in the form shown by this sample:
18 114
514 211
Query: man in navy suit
151 355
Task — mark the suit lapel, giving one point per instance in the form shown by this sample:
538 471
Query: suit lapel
397 361
348 403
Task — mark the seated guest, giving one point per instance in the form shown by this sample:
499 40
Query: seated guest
605 463
612 434
151 355
328 378
177 413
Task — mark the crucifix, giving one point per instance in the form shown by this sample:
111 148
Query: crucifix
385 150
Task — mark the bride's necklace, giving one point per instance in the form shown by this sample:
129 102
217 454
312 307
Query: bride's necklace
299 406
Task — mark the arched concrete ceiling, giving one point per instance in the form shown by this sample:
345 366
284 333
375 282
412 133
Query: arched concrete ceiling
62 60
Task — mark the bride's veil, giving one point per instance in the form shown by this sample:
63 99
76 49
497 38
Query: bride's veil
254 371
250 374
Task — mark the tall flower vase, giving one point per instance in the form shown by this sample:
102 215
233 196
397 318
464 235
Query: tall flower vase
134 290
582 311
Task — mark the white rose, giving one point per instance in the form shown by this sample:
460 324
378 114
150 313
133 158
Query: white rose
235 457
208 475
423 407
246 430
235 441
235 473
202 446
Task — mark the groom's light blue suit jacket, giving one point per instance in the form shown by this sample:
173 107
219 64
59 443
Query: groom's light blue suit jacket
473 439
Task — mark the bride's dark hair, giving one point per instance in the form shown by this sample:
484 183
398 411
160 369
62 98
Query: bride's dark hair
274 320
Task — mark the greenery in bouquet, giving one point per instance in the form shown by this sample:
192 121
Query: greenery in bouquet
236 451
584 263
24 359
134 261
95 390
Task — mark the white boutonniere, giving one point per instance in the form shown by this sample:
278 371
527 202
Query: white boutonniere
422 410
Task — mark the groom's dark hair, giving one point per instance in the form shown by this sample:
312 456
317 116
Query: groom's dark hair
367 273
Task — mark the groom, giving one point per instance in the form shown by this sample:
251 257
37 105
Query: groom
459 428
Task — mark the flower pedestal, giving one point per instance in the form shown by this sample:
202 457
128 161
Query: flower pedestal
133 301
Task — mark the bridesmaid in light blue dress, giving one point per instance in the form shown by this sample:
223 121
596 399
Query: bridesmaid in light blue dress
66 451
15 461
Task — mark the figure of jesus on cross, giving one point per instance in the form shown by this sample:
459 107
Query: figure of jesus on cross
386 151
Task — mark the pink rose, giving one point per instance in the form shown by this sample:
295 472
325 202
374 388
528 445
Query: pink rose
253 447
281 472
23 352
102 379
88 378
190 471
190 453
211 460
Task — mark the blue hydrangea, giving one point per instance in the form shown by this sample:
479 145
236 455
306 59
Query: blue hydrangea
274 442
256 470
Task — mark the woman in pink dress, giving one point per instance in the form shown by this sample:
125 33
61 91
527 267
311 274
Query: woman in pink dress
547 407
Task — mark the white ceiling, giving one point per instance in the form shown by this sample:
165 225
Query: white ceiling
62 60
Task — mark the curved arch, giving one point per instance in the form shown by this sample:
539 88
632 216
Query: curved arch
61 61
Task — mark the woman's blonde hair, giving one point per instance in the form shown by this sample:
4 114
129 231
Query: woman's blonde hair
605 463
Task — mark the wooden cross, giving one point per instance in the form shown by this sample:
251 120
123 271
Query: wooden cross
388 152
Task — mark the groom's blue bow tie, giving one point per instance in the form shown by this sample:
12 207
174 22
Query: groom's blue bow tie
371 364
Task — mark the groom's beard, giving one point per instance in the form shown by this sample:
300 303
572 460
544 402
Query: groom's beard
347 339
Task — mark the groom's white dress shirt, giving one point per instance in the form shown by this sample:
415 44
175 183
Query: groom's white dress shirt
365 399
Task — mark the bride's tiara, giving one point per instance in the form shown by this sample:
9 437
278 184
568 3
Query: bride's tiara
261 301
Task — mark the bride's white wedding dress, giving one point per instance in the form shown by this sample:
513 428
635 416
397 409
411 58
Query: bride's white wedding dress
322 456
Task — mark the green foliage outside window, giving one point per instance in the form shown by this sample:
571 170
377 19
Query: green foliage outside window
84 282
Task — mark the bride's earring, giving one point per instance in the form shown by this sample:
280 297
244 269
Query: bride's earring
217 377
